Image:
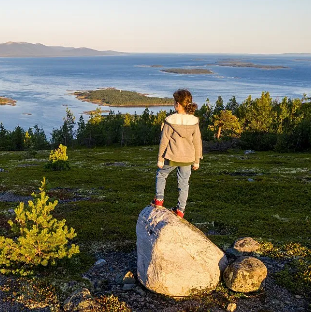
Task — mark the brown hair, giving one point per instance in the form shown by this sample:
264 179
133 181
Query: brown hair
184 98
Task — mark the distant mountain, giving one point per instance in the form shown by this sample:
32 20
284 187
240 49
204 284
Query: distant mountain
24 49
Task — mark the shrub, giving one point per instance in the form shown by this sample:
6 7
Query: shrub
259 141
40 239
111 304
58 159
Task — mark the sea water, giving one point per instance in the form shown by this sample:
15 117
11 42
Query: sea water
43 87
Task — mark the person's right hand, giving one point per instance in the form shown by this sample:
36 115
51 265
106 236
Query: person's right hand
160 164
195 166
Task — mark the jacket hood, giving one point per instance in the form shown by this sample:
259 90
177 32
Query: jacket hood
183 125
180 119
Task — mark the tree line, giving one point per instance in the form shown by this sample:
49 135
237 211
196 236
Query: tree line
261 124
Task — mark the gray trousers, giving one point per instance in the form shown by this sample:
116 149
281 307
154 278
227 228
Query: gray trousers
183 175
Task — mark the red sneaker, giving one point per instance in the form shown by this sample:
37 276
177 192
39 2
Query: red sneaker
157 202
178 212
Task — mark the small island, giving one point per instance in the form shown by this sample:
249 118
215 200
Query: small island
156 65
121 98
7 101
94 111
188 71
232 63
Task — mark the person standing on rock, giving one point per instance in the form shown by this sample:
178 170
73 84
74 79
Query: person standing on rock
180 147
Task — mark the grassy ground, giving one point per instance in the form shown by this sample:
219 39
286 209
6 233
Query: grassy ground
264 195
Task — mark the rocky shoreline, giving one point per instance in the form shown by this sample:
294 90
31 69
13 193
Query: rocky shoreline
7 101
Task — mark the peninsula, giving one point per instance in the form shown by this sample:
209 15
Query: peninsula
188 71
7 101
121 98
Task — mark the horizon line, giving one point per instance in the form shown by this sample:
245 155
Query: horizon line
154 52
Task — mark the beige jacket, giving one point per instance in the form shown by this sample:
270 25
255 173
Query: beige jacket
181 139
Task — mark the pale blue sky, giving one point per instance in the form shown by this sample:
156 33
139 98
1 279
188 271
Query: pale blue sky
192 26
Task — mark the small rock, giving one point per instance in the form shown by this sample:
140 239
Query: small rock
97 284
80 300
246 244
100 262
250 180
128 286
298 297
231 307
140 291
245 274
247 152
129 278
119 278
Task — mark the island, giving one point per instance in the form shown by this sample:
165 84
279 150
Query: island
156 65
188 71
94 111
232 63
7 101
302 60
116 98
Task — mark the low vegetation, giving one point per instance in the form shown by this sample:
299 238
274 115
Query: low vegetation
264 195
58 159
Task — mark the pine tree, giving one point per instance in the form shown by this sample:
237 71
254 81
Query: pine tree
40 238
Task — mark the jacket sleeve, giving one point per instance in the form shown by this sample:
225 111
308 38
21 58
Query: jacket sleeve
197 142
165 137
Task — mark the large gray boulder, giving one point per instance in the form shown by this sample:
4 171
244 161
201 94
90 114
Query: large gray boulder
175 258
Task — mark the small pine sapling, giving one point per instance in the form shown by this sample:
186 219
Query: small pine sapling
58 159
40 239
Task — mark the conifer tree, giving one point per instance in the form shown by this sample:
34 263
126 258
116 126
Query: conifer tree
40 239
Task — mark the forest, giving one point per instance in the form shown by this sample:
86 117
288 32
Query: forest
260 124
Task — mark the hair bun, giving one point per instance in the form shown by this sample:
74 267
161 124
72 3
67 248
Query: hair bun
191 108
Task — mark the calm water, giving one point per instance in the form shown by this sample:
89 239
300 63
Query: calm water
42 86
